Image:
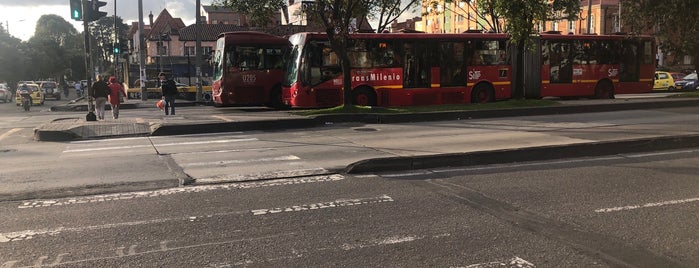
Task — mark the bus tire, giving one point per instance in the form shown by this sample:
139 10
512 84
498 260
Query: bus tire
364 96
482 93
604 90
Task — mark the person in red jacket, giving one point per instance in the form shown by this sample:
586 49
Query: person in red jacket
116 95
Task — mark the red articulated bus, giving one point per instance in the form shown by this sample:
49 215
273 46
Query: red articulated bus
409 69
399 69
248 69
598 66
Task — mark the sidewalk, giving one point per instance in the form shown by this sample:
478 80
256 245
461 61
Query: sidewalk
211 120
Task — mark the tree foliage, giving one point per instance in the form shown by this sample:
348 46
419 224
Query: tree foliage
673 22
102 41
260 12
521 16
12 68
385 12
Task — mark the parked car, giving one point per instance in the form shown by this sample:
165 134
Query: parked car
51 90
689 82
677 76
5 94
663 81
36 94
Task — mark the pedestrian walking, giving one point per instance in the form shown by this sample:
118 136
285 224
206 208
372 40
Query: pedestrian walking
169 90
65 89
100 90
78 89
116 96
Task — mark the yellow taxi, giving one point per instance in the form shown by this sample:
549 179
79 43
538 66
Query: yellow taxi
663 81
36 94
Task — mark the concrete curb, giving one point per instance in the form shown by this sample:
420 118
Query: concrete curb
524 154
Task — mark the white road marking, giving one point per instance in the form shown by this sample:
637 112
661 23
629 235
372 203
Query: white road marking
9 132
323 205
31 234
377 242
242 161
179 190
514 262
268 175
156 145
647 205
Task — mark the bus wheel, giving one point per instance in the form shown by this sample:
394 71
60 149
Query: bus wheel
364 97
482 94
604 90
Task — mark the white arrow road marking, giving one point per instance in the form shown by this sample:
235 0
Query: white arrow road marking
179 190
647 205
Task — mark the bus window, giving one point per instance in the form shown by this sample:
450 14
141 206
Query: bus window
324 63
384 54
358 54
629 70
560 60
416 69
451 64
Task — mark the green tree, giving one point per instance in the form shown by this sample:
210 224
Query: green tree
338 18
521 16
259 12
50 50
385 12
12 60
102 41
673 22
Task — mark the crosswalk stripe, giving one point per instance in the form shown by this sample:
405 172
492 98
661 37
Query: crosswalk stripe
241 161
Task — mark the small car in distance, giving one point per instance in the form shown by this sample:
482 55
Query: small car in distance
5 94
51 90
36 94
689 82
663 81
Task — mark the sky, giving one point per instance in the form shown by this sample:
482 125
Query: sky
22 15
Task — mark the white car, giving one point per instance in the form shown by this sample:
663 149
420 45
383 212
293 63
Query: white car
5 93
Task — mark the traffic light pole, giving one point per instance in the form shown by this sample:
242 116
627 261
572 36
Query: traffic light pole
141 53
90 106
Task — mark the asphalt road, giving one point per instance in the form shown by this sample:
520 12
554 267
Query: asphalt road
624 211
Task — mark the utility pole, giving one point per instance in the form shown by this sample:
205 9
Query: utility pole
88 67
199 52
141 53
589 16
116 43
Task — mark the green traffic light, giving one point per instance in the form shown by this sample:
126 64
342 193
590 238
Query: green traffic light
76 15
116 50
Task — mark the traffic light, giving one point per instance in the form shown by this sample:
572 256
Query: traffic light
76 9
117 50
93 12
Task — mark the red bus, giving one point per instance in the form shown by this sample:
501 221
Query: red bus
399 69
425 69
248 69
591 65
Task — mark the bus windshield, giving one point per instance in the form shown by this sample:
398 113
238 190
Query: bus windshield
292 65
